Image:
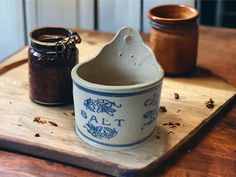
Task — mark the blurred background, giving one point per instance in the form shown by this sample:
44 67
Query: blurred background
19 17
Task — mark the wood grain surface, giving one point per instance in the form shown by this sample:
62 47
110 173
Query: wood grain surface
213 151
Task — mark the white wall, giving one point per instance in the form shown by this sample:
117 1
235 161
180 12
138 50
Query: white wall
68 13
11 27
113 14
85 14
57 12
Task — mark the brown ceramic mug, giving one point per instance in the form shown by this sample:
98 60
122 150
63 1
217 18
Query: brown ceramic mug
174 37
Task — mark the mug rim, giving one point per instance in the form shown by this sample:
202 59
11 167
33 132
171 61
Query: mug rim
151 14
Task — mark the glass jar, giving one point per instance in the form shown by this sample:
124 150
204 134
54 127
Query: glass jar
51 57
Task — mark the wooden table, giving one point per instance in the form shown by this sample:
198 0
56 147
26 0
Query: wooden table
212 152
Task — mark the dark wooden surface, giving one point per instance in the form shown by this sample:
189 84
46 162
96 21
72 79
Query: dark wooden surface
211 153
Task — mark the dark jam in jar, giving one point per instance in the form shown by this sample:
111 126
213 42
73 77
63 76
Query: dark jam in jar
51 57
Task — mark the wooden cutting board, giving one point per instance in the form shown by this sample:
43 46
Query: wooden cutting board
60 143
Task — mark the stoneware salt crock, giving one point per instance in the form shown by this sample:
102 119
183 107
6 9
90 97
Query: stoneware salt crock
116 94
174 37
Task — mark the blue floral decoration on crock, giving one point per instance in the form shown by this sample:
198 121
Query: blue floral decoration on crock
101 106
100 131
150 115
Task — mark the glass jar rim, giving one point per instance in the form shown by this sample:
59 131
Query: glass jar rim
67 39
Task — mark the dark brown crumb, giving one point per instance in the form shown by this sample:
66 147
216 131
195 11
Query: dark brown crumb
65 113
172 125
158 137
176 96
171 132
19 125
73 113
51 132
37 135
178 111
178 124
162 109
53 123
10 102
210 104
39 120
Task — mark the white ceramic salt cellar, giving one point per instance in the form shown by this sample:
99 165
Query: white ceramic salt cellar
117 93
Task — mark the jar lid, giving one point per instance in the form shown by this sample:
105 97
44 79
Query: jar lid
53 39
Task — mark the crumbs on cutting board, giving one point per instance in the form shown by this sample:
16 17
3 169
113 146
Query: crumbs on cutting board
53 123
39 120
37 135
178 111
210 103
162 109
171 124
176 96
65 113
